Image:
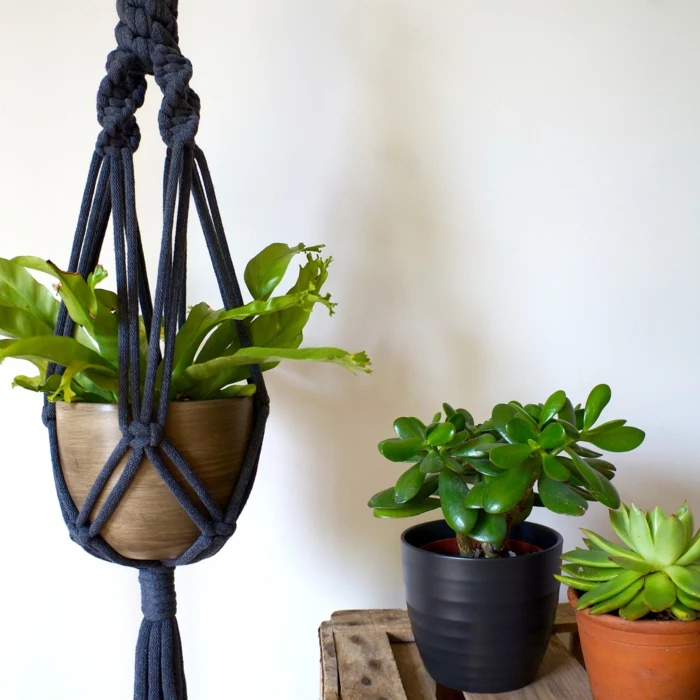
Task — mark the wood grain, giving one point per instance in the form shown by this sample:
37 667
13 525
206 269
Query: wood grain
373 657
149 523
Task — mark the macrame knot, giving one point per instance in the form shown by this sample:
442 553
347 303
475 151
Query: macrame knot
48 414
145 435
225 530
158 599
81 535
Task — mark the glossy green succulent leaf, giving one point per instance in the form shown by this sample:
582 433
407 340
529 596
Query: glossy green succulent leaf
576 584
640 534
685 515
500 417
659 592
520 431
452 463
441 434
567 412
591 573
582 451
606 428
685 578
409 511
476 496
688 600
552 437
509 456
408 428
618 601
553 468
599 485
432 463
608 589
409 484
620 521
509 489
484 466
560 497
398 450
691 555
634 563
552 406
588 557
534 411
635 609
477 447
622 439
453 492
598 542
489 528
669 539
597 400
522 413
387 498
570 430
683 613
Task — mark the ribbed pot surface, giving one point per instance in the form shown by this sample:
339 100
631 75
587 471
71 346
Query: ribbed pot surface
482 625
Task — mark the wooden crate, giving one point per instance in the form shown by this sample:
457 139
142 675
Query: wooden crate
371 655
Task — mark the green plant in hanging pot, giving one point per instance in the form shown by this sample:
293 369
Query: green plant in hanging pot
637 604
485 564
211 412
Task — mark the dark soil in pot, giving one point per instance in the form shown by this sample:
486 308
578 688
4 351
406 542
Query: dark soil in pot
481 625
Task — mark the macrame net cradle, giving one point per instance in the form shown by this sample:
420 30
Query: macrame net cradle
147 38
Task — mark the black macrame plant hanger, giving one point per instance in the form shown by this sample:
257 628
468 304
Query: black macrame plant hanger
147 38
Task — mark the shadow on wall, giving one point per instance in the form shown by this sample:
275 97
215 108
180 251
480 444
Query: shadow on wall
396 304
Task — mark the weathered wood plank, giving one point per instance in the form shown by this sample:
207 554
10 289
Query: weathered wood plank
330 687
417 684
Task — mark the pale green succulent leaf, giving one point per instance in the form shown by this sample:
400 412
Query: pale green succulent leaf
669 541
659 592
617 601
640 534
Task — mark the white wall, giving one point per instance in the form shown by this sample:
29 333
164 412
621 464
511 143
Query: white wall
510 190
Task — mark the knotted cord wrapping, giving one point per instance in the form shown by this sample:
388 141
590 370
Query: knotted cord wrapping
147 44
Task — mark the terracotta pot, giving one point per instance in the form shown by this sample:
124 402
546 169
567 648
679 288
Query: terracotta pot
640 660
149 523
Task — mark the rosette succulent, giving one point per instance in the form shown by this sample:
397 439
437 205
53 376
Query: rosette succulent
656 571
488 476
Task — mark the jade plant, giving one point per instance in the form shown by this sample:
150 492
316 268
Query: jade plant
655 573
209 361
488 476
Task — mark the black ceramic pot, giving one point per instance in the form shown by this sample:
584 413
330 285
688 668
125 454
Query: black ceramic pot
481 625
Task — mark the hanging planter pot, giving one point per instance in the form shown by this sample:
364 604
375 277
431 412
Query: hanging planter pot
481 625
149 523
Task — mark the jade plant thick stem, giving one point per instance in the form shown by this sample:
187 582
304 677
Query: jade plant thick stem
488 476
209 360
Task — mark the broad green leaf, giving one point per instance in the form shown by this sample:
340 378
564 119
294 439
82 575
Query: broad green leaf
97 276
576 584
105 378
600 465
502 414
441 434
552 437
582 451
608 589
552 406
432 462
534 411
597 400
20 290
606 427
686 579
489 528
484 466
669 541
507 490
597 484
237 391
398 450
553 468
407 428
452 463
448 410
453 491
640 534
659 592
408 511
509 456
589 557
476 496
622 439
266 270
591 573
519 431
18 323
38 384
620 521
618 601
408 484
597 542
560 497
478 447
567 412
522 413
52 348
635 609
386 498
569 429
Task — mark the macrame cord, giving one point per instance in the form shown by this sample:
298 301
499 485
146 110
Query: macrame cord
147 38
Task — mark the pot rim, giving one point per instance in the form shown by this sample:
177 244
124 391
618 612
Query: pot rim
500 561
667 627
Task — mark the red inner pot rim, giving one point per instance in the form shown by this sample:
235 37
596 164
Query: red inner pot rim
451 548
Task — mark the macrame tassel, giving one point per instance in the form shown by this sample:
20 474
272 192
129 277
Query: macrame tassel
160 671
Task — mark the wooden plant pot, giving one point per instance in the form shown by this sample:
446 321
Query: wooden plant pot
149 523
639 660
